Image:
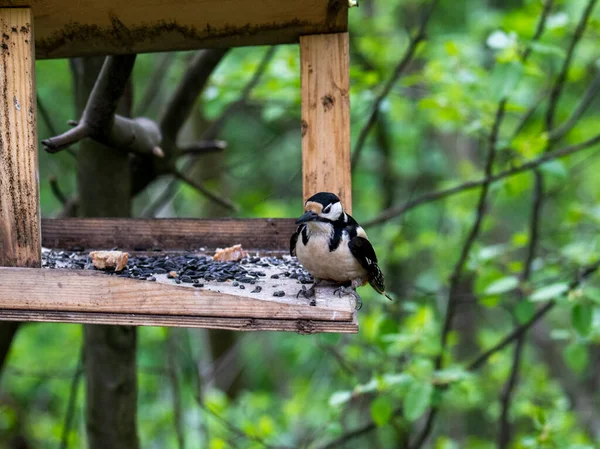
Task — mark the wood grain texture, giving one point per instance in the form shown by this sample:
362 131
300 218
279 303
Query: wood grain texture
19 191
130 319
68 28
271 234
88 291
326 116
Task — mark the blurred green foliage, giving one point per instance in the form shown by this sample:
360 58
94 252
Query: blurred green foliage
303 391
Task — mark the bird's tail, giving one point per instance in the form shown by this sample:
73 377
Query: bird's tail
378 284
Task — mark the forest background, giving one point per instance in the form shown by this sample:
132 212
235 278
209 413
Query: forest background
494 337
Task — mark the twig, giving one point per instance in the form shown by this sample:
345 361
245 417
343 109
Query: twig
470 185
164 64
176 394
541 25
193 82
368 427
584 103
204 147
528 114
76 378
239 432
224 202
58 193
504 432
400 67
562 76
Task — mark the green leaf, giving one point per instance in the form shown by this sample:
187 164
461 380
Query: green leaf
582 316
381 410
549 292
524 311
417 400
576 356
503 285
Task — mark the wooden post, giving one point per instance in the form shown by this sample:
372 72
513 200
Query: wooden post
20 239
326 116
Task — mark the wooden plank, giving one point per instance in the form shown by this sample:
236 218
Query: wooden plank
326 116
167 234
19 191
236 324
89 291
68 28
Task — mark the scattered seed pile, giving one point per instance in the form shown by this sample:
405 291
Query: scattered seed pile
189 268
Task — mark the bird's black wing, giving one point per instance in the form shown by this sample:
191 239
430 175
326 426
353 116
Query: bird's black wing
294 240
363 251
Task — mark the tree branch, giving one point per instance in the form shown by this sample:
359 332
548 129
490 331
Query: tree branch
164 64
224 202
562 76
64 440
204 147
590 93
400 67
193 82
99 121
176 394
56 191
470 185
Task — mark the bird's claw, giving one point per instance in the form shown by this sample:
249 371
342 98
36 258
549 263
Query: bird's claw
348 290
307 293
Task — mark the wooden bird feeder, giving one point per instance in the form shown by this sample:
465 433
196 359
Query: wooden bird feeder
63 29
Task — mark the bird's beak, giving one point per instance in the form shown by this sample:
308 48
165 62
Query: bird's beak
308 216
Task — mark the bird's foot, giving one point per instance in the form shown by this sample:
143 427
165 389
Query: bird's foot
307 293
349 290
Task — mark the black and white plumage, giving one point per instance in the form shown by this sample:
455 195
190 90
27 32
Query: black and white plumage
331 245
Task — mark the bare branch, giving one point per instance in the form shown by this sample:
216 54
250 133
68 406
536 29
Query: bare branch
562 76
99 120
504 433
541 25
215 128
176 394
55 188
400 68
224 202
204 147
584 103
194 80
68 423
65 140
164 64
470 185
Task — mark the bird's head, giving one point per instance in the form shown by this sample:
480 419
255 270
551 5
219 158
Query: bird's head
324 207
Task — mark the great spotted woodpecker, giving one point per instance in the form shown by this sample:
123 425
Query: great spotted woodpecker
332 246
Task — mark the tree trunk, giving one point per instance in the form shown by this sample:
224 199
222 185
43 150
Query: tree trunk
104 185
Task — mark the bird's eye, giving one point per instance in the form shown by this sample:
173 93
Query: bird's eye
326 209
